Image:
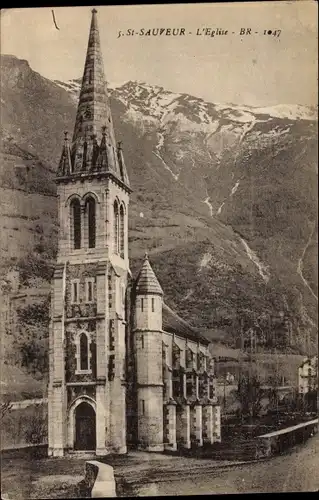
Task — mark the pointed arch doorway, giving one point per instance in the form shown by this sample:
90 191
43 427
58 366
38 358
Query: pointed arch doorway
85 427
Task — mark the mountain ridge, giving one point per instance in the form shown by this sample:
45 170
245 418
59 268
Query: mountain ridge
230 229
291 111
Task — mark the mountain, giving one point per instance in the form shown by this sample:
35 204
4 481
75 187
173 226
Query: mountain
252 169
223 199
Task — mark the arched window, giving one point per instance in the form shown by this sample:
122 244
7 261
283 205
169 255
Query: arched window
76 223
90 209
122 229
116 227
90 76
84 352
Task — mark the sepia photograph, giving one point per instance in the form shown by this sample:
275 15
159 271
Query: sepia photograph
159 250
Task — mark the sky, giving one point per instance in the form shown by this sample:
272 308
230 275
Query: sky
256 70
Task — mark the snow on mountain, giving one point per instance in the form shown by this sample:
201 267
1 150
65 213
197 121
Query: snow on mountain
235 183
262 268
74 87
160 101
71 86
234 189
182 124
291 111
163 104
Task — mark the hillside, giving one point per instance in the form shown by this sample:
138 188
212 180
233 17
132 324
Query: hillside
223 199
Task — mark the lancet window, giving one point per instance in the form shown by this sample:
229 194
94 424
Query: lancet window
90 212
122 230
76 223
116 226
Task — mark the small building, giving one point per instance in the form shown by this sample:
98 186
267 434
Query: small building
308 375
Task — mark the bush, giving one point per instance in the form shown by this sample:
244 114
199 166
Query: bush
35 313
36 427
31 340
33 266
249 394
34 356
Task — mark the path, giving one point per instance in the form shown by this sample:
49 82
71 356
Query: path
296 471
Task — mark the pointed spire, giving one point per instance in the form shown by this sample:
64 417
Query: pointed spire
146 282
93 107
123 171
93 145
64 168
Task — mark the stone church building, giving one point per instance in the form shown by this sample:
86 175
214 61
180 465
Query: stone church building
125 370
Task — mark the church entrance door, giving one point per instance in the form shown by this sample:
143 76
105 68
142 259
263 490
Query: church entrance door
85 427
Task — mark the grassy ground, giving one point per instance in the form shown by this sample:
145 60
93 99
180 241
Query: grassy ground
30 474
25 475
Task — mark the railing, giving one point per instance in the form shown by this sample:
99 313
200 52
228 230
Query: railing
289 429
278 441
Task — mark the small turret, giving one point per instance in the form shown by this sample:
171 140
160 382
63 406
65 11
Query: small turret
146 282
64 168
148 299
148 351
121 161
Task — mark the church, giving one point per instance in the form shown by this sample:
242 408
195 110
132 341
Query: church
125 371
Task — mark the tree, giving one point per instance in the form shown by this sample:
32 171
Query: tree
273 396
249 394
35 431
31 348
31 337
4 408
311 401
35 314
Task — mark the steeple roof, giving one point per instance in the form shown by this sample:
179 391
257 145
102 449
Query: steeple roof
94 148
65 161
146 281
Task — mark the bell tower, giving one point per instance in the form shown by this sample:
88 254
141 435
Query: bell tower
87 378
